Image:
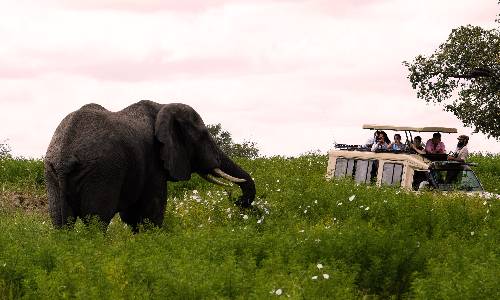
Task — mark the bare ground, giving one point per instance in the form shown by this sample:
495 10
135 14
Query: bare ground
30 202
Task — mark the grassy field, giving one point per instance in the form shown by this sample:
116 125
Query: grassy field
306 238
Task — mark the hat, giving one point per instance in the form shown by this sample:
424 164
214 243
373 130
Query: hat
463 137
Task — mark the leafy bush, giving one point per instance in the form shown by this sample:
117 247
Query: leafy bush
4 150
488 170
223 139
22 173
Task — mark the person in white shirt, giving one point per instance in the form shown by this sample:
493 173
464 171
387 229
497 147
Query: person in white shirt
380 143
461 152
373 140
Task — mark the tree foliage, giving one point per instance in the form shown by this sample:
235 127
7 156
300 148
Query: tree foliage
224 140
4 150
464 75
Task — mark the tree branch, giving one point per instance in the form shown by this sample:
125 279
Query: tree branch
476 73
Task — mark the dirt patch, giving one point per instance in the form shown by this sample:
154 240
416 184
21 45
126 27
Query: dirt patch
10 200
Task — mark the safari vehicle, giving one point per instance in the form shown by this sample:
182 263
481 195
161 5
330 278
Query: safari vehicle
404 169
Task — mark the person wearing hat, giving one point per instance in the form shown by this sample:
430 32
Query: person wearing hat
461 152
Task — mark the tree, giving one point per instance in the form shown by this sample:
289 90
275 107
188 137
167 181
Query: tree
224 140
464 75
4 150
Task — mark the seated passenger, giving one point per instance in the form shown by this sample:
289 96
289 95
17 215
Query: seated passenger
369 143
461 152
434 145
417 146
380 144
386 138
397 145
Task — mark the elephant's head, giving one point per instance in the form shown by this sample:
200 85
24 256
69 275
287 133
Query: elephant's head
187 147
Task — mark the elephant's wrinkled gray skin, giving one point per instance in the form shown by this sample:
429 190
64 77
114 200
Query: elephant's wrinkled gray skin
100 162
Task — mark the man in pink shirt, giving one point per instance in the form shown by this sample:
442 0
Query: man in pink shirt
435 145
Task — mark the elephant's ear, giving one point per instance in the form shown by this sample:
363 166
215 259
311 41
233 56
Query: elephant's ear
173 150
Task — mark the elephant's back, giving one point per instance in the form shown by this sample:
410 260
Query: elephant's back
89 133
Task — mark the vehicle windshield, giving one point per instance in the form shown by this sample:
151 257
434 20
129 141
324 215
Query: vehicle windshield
456 179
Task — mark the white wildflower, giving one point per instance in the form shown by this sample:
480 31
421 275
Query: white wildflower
485 202
340 203
472 233
326 276
196 198
259 221
245 217
305 211
317 240
278 190
367 208
319 266
315 201
277 180
279 292
352 197
301 231
314 277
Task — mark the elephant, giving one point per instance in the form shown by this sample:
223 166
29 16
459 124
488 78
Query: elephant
100 163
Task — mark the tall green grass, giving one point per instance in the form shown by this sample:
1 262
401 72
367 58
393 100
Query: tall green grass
21 174
306 238
488 170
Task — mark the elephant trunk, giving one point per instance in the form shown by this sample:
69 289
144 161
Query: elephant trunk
247 187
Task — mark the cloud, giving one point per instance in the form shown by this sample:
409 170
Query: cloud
156 66
288 74
152 6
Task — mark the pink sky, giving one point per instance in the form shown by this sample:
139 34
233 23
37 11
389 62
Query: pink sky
291 75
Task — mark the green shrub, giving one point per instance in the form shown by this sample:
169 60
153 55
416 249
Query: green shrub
21 173
488 170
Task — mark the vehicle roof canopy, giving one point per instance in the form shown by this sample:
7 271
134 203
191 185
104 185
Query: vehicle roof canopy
408 128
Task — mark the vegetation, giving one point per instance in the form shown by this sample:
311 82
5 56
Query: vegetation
466 70
223 139
4 150
306 238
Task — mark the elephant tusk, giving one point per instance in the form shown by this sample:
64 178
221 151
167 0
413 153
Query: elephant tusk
228 177
215 181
